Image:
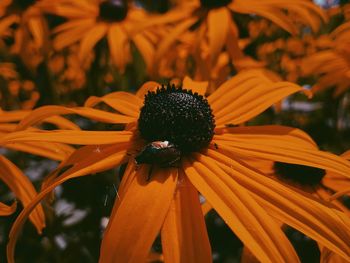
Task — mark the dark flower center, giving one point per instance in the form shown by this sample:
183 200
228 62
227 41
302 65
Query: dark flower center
214 3
301 174
177 115
113 10
156 6
24 4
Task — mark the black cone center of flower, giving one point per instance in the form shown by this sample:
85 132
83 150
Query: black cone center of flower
113 10
301 174
214 3
177 115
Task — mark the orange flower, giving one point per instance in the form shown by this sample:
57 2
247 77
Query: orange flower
212 21
316 181
70 73
333 65
183 145
31 35
326 185
90 21
13 86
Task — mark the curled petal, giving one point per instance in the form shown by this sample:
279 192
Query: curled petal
23 190
7 210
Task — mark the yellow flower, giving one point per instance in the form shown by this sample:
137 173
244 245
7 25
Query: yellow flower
88 22
184 143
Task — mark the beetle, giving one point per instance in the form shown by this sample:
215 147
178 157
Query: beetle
162 153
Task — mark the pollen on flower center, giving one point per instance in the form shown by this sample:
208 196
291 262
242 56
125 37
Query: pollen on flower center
113 10
214 3
301 174
179 116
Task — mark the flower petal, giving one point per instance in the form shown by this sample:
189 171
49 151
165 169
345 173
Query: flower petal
206 207
171 38
117 41
275 15
146 49
72 24
37 28
145 88
316 219
123 102
90 39
23 190
54 151
7 210
263 133
248 257
278 12
62 123
282 149
246 95
128 238
184 234
14 116
218 21
71 36
196 86
337 183
323 194
68 136
240 211
44 112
